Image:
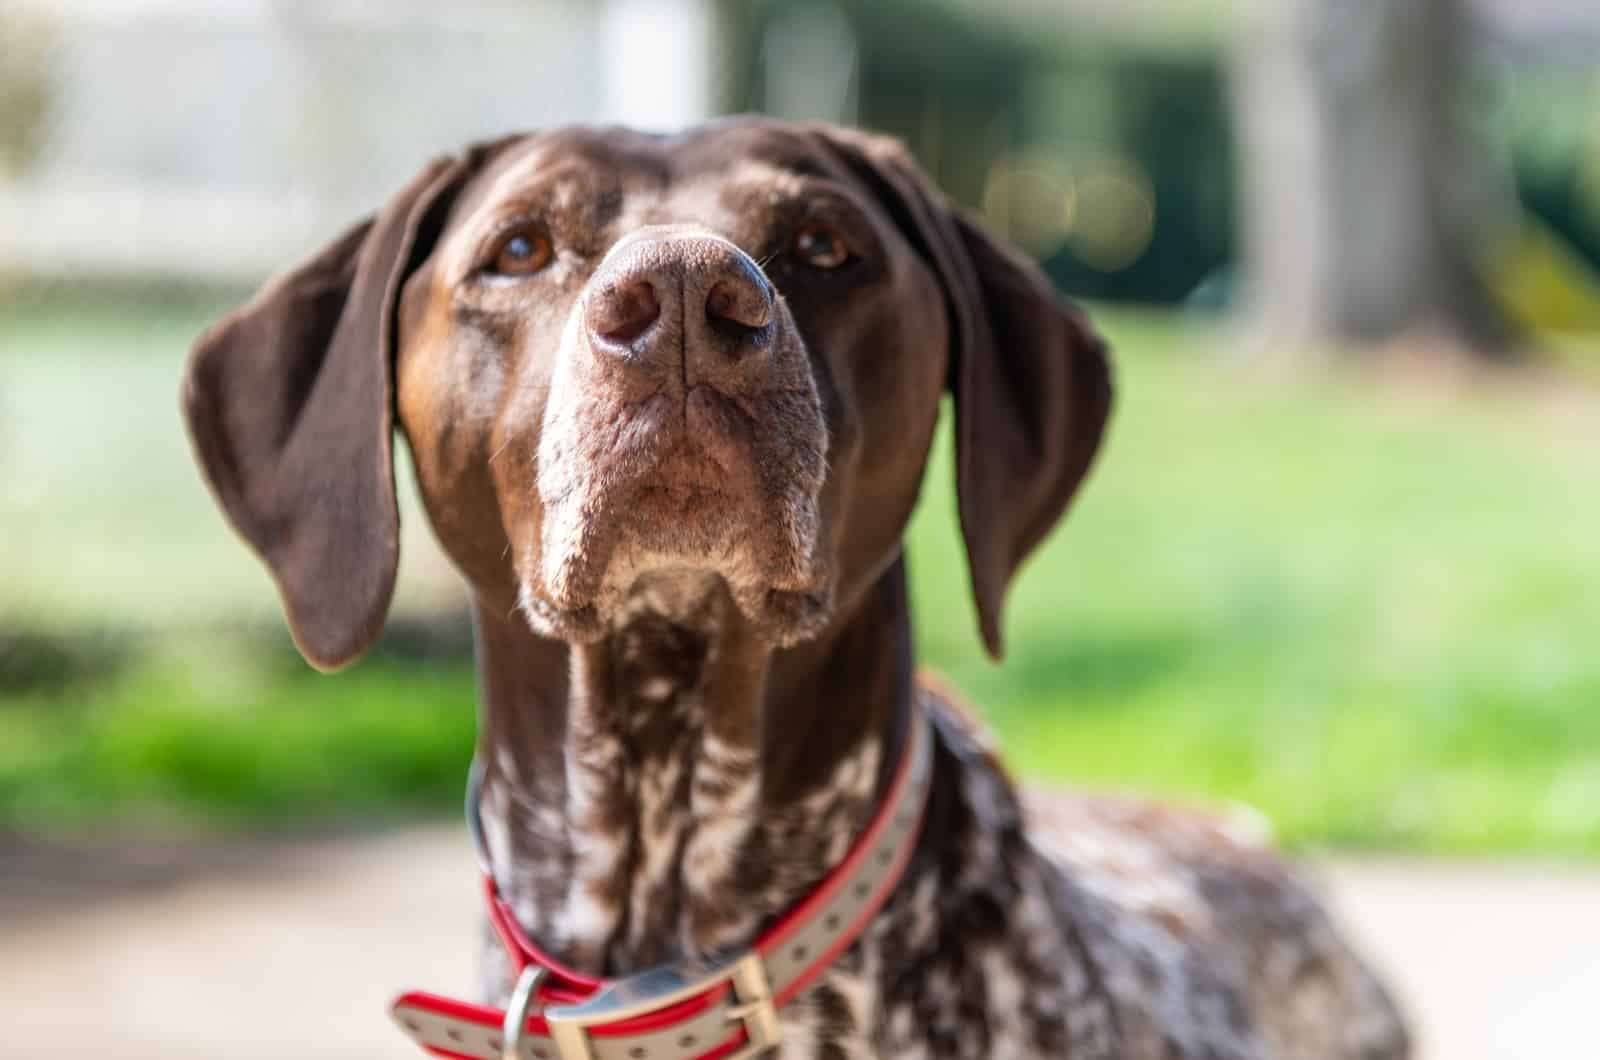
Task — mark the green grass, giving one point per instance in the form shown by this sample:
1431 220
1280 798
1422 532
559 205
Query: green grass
104 522
1371 609
1373 613
220 733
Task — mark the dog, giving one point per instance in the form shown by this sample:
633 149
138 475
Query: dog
668 400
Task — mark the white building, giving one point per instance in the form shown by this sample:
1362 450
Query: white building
222 138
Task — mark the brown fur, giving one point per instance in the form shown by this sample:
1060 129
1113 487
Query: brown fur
674 466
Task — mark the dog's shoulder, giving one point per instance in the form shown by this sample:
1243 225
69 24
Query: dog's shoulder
1170 893
1206 939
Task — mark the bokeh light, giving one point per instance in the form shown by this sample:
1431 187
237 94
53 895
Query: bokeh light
1115 213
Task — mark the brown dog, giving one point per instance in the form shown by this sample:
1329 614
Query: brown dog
669 401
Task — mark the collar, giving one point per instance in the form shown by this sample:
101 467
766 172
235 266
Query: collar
718 1010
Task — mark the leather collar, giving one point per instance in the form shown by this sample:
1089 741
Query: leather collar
724 1009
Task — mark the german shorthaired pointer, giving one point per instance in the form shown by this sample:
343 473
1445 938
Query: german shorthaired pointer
669 401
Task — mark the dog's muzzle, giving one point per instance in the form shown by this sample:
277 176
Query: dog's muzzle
682 431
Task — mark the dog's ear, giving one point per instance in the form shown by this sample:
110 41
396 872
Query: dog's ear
1030 378
1032 386
289 404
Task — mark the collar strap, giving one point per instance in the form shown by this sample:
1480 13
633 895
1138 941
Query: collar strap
723 1010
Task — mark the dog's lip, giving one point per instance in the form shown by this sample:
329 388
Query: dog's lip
782 615
687 402
580 622
702 437
790 616
667 413
687 475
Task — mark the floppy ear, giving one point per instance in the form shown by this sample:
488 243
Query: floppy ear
289 404
1030 378
1032 385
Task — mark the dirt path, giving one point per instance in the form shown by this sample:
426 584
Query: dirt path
1493 962
294 949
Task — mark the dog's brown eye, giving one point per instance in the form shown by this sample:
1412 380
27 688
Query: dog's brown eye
821 246
522 253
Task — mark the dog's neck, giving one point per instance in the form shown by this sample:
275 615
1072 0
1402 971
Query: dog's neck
665 791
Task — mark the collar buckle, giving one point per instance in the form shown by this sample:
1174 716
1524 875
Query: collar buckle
754 1007
523 998
651 991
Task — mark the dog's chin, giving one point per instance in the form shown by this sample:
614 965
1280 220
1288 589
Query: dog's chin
670 552
700 486
684 591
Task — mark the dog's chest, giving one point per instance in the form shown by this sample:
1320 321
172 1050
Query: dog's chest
669 849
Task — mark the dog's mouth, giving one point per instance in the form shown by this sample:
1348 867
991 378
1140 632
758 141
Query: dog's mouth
699 486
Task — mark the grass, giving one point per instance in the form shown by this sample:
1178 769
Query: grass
106 523
220 733
1368 608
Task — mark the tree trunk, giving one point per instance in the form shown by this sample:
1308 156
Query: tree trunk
1366 205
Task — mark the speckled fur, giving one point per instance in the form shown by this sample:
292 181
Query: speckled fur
1085 927
670 851
1100 928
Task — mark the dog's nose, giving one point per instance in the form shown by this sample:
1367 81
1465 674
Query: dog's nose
739 301
688 304
621 312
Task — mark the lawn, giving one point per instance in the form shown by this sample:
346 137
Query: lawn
1367 606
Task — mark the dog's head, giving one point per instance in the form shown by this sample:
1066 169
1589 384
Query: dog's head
617 355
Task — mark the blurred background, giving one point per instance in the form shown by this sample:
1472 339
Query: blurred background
1340 560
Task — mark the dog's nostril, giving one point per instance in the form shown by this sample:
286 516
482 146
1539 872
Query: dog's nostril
622 312
743 303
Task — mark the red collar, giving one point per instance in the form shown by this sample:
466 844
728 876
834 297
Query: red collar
689 1011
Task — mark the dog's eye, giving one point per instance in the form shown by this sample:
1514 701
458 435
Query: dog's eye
521 252
820 246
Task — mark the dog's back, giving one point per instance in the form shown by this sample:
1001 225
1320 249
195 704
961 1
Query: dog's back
1193 937
1198 925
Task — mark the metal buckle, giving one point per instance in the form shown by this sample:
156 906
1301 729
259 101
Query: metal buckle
516 1017
659 988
